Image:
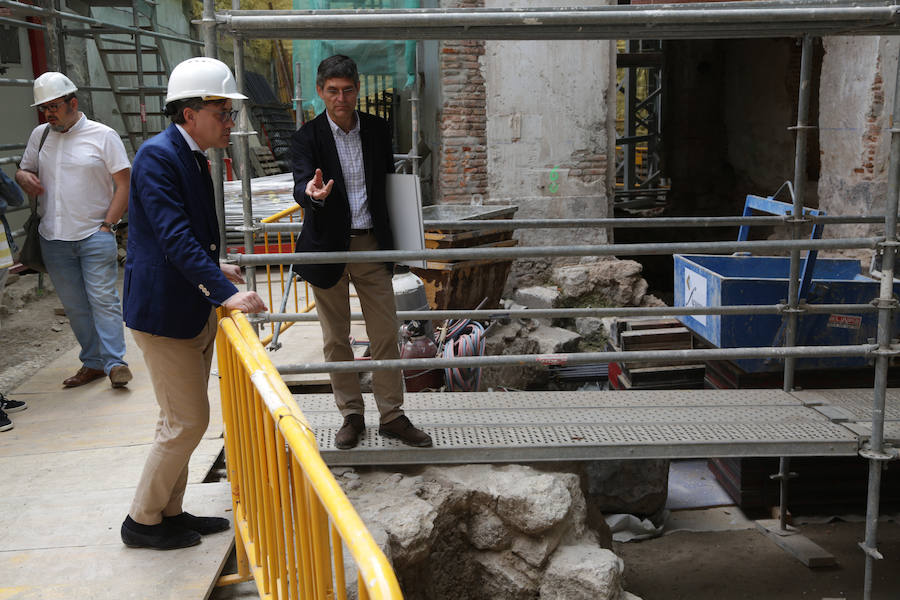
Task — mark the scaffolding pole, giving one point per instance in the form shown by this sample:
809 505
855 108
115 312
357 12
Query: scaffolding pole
694 21
630 223
311 258
877 453
778 18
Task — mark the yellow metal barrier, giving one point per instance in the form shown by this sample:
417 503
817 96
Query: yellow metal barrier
292 520
281 246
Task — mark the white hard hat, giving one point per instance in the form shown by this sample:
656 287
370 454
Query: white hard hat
52 85
202 78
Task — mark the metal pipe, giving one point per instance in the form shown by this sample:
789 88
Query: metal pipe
574 313
414 112
139 69
19 8
4 81
11 159
790 331
55 62
298 97
514 252
886 307
661 222
610 22
23 24
4 147
243 151
210 49
580 358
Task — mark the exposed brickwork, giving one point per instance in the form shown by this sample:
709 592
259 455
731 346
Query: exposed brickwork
588 167
874 125
462 170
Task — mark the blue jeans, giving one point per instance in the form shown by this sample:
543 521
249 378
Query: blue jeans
85 274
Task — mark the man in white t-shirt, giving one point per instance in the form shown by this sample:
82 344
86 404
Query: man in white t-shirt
79 171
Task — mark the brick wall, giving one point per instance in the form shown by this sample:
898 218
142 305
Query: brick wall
462 122
874 124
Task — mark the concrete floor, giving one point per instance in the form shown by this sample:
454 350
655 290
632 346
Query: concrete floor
69 469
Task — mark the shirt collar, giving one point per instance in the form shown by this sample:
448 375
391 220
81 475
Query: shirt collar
192 144
78 124
336 129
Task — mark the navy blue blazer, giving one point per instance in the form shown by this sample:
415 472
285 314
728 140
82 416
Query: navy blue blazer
326 227
172 274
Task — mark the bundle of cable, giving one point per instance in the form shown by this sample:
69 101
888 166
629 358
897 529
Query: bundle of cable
464 338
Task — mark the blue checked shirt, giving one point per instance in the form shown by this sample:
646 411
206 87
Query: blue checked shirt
349 149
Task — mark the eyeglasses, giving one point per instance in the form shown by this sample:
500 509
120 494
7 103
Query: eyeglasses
226 115
51 107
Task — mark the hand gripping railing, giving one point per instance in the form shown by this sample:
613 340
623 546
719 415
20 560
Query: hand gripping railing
292 520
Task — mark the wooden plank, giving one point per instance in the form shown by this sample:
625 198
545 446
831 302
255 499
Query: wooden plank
639 324
797 545
675 338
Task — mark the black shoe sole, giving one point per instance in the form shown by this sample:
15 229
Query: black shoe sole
394 436
133 539
348 446
14 409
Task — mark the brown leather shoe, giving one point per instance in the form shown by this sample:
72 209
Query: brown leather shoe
348 435
83 376
401 429
119 376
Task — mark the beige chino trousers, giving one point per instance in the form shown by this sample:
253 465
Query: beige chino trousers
372 282
179 370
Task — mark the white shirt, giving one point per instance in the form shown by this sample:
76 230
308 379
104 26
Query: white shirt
191 142
76 170
349 149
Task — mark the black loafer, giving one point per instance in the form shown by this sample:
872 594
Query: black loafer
202 525
163 536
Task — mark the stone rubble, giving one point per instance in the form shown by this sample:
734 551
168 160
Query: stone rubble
487 532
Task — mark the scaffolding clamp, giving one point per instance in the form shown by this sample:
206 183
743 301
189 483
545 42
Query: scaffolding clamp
888 244
792 220
779 476
872 552
891 303
799 127
888 452
891 350
243 133
785 308
248 228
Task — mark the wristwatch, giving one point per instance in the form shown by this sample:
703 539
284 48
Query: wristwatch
111 226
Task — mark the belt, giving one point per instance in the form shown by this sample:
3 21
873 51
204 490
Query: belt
359 232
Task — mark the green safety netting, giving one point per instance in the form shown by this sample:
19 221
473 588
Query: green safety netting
383 65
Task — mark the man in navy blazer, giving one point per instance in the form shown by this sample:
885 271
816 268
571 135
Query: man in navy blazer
352 150
173 282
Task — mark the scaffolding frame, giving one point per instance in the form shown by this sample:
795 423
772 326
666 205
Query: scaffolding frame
803 19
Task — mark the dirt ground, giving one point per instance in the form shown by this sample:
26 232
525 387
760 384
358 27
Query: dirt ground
745 565
32 335
720 565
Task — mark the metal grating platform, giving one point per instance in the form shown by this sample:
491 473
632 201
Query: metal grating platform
543 426
852 408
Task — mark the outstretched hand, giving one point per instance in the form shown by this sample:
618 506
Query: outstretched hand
316 190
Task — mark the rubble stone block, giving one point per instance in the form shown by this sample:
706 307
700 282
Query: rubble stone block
552 340
582 572
637 487
537 296
591 329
